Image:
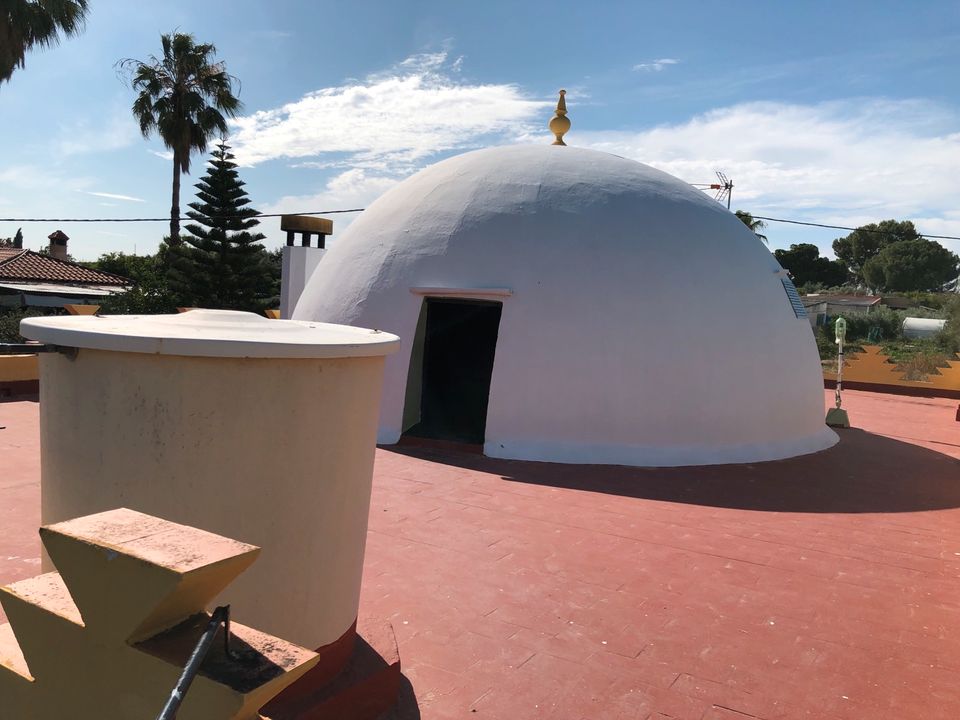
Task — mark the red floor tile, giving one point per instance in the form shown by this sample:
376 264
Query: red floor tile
820 587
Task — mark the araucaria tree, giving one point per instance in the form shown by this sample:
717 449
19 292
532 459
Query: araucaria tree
221 263
185 96
25 24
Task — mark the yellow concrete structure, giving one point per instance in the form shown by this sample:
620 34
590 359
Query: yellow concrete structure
82 309
306 223
19 368
171 418
560 123
873 366
108 635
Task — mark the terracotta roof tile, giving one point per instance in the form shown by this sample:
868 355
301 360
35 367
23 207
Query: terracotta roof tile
16 264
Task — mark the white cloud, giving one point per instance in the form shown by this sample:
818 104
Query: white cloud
396 119
116 130
34 177
273 34
655 65
113 196
845 163
162 154
355 188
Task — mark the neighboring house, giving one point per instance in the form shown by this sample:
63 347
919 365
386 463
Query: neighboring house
29 278
821 306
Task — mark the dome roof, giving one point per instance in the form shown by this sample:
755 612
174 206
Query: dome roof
642 323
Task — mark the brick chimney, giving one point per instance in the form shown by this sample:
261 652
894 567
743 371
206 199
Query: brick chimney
58 245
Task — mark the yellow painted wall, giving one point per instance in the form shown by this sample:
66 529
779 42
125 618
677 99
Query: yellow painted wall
102 638
277 452
17 368
872 366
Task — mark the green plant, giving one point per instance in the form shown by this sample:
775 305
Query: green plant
26 24
10 323
221 262
948 339
185 96
886 323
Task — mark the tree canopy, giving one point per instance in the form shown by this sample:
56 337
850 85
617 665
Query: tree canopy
150 293
867 241
911 265
26 24
185 97
15 241
807 267
221 263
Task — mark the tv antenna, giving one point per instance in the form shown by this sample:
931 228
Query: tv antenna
724 187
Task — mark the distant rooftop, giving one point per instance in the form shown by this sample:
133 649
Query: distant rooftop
29 266
840 299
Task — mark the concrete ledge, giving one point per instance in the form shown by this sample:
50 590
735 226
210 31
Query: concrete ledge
19 368
306 223
913 390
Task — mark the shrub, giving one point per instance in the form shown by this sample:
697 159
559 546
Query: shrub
948 339
886 323
10 323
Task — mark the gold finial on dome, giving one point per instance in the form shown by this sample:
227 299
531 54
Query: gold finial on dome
560 123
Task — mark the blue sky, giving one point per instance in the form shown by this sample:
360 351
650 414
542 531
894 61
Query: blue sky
837 112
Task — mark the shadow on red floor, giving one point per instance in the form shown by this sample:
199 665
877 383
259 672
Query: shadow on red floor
863 473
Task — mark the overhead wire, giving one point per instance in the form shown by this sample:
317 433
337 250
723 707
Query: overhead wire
355 210
182 219
842 227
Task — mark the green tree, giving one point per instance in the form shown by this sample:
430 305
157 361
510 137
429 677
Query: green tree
184 96
911 265
867 241
949 338
26 24
150 293
752 223
10 318
807 267
221 264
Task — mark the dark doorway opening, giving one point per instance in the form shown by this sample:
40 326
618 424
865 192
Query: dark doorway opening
459 344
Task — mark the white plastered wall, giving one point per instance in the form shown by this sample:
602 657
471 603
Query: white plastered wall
646 324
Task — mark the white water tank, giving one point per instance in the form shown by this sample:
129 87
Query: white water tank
260 430
914 327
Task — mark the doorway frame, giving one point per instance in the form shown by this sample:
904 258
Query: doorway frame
413 391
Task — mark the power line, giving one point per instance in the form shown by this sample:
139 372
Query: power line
354 210
167 219
842 227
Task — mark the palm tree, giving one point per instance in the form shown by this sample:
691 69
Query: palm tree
183 96
25 24
752 223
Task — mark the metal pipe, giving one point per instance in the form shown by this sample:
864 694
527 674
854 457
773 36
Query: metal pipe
190 670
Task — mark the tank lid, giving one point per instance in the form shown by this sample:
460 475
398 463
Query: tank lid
210 333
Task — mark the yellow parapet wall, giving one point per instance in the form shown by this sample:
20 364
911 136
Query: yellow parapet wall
19 368
873 367
109 634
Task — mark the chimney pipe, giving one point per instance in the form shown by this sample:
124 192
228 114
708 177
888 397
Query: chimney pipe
58 245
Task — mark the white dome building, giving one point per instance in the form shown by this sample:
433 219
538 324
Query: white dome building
564 304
